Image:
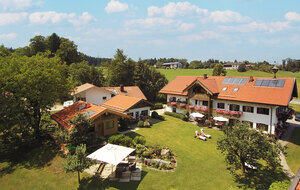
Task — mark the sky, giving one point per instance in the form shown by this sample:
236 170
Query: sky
226 30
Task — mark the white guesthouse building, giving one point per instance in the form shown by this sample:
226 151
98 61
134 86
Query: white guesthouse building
263 102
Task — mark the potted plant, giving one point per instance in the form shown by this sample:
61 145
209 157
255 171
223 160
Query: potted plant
182 105
191 107
197 108
173 103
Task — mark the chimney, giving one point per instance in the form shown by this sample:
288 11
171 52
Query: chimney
122 87
251 79
205 76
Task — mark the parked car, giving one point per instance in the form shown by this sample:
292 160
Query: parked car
68 103
297 117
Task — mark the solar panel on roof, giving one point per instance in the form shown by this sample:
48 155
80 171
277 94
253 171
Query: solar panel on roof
235 81
88 113
270 83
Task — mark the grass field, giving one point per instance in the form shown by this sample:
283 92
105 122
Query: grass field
200 165
293 151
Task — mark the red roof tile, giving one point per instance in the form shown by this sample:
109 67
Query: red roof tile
246 93
133 91
122 103
64 116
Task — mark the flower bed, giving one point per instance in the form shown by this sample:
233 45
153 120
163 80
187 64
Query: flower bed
153 157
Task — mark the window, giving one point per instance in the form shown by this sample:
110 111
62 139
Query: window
221 105
262 127
112 95
130 113
104 97
173 99
234 107
264 111
196 102
249 109
81 98
224 88
109 124
144 113
174 110
205 103
235 89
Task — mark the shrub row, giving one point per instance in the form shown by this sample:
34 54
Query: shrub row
157 106
177 115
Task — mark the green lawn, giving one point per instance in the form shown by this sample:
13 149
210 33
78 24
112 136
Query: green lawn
293 151
200 165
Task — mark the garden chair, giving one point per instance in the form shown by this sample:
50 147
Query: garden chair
198 136
204 134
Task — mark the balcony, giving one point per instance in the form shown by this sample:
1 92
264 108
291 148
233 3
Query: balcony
227 113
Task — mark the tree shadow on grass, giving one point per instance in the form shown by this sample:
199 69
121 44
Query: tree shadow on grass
38 155
260 179
96 183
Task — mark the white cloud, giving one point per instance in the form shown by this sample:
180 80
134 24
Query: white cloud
186 26
255 26
84 18
151 22
8 36
203 36
292 16
227 16
51 16
176 9
116 6
54 17
12 18
17 4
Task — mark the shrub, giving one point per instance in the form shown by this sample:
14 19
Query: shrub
278 185
242 68
147 123
207 122
147 154
155 115
140 149
140 124
139 140
126 141
116 139
177 115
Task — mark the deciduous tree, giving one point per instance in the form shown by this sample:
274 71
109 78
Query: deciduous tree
33 85
241 145
78 161
219 70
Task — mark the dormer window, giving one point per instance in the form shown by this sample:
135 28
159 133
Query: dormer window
235 89
224 88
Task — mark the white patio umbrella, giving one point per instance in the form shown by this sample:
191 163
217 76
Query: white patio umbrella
220 119
195 114
110 153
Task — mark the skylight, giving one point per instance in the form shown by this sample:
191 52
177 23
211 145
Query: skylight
224 88
235 89
235 81
88 113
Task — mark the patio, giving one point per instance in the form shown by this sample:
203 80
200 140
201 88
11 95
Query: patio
115 163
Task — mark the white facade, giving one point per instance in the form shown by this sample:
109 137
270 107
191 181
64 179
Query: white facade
138 111
95 95
256 118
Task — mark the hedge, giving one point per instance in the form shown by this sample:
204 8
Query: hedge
177 115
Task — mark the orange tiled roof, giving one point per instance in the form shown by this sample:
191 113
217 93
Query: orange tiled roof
64 116
246 93
133 91
83 88
122 103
